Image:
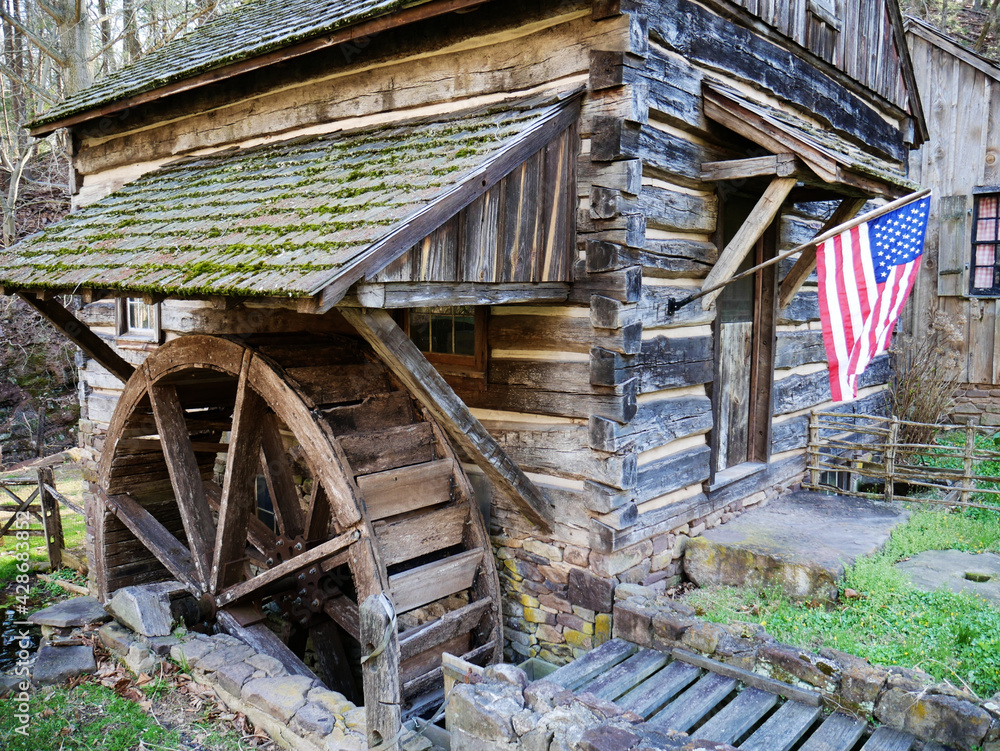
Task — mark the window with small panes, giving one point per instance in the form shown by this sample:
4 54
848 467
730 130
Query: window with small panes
985 267
451 337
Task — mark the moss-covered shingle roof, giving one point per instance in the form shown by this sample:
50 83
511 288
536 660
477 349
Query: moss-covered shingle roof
254 28
281 219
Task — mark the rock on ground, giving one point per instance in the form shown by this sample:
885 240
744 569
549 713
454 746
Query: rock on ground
977 574
75 613
54 665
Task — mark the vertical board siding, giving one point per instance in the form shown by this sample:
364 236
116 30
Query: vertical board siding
521 230
962 110
864 48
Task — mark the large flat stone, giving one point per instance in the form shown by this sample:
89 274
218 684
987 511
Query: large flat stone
801 542
956 571
145 608
57 664
75 613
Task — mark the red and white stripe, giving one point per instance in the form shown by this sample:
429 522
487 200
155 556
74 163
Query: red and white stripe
857 313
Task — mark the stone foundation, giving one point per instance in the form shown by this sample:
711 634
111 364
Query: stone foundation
901 698
558 598
979 402
294 710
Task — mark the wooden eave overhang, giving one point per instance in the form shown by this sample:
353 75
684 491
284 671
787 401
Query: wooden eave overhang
915 111
304 220
952 46
151 88
837 163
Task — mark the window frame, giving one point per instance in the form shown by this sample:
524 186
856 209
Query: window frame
977 195
472 367
126 335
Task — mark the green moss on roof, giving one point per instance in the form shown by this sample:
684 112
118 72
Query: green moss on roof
279 219
253 29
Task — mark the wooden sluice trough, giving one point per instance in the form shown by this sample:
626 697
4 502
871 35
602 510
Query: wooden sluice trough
683 692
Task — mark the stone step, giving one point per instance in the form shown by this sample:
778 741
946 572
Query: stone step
801 542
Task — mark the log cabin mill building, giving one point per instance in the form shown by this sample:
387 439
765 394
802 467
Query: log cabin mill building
960 281
399 275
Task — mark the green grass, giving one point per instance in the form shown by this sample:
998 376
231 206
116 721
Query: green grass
92 716
88 717
951 636
69 482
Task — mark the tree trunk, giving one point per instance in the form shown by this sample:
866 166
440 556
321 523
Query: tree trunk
130 22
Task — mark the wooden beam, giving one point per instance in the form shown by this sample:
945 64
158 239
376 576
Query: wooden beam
408 363
280 482
425 220
753 127
51 519
185 475
239 498
168 550
806 262
289 568
780 165
760 219
265 641
431 294
380 673
77 332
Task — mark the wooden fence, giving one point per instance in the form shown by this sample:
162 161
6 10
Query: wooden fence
42 505
849 452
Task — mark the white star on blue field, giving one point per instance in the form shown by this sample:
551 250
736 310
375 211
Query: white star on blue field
898 237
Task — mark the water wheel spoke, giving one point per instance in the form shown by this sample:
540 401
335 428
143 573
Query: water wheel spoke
291 567
319 515
239 499
185 476
279 479
346 613
167 549
259 535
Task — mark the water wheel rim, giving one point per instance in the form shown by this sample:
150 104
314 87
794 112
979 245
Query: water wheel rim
205 565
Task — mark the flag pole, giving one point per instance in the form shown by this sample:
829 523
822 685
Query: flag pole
674 305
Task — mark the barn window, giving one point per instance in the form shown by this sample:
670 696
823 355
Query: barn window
986 244
453 338
137 320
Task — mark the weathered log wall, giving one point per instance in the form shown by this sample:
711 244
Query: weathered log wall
603 397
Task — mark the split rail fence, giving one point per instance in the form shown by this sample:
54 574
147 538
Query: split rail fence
41 505
873 451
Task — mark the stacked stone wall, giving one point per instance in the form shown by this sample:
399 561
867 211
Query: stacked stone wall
558 598
904 699
979 402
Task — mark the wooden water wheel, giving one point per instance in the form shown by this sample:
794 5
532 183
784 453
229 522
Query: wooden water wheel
368 497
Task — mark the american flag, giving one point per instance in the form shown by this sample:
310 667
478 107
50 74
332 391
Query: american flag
865 275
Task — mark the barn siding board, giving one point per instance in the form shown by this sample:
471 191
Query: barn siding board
962 105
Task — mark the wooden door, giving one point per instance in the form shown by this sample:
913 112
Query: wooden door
744 354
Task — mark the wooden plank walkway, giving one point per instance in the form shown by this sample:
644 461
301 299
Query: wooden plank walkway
715 702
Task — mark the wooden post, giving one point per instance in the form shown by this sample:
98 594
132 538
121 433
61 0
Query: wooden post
970 449
51 520
814 450
890 459
380 671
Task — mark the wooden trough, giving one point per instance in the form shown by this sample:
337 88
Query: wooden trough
712 701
